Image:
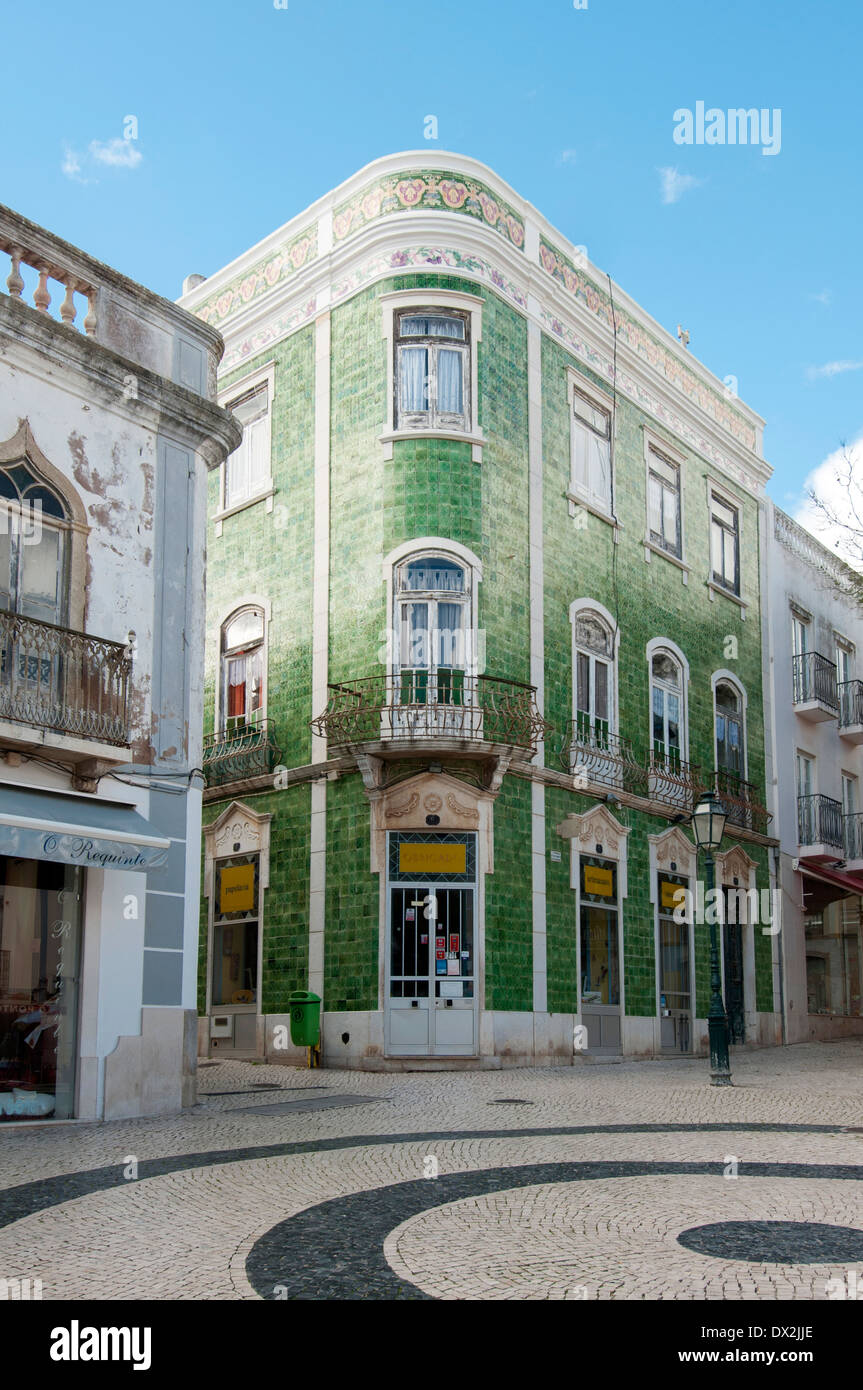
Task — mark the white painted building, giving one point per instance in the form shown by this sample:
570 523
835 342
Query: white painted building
815 691
107 430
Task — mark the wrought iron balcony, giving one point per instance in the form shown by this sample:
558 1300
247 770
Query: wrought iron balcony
412 706
673 781
65 681
851 710
852 823
814 683
819 821
604 758
741 805
244 749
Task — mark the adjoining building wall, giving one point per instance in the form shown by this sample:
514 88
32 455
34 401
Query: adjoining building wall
816 718
107 720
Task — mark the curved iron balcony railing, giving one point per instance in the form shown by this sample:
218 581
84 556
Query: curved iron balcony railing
244 749
815 679
603 758
819 821
741 804
56 678
850 703
414 705
852 823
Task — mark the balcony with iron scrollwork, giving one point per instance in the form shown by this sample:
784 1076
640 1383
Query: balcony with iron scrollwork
243 750
448 708
852 827
742 807
814 689
596 757
672 781
851 711
63 689
819 824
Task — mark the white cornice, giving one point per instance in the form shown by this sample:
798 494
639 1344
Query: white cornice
315 287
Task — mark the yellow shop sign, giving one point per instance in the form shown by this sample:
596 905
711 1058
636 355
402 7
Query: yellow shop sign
598 881
432 859
237 888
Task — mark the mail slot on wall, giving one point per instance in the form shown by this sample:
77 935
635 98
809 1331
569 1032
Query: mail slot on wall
222 1026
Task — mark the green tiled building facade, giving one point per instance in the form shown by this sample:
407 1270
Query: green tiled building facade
484 620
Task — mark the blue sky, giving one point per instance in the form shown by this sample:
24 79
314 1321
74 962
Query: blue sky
247 113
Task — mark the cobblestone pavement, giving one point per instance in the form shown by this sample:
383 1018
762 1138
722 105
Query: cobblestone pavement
430 1185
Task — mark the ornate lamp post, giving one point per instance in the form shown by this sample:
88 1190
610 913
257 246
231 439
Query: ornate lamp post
708 824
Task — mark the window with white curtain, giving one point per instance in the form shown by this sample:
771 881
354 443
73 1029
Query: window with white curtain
242 674
663 504
247 469
724 544
432 373
435 639
591 451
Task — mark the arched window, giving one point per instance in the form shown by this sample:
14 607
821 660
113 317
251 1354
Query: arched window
730 746
667 707
594 678
435 647
34 541
242 673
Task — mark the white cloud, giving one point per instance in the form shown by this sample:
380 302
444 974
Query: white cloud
71 166
833 369
673 184
829 482
825 297
567 157
112 154
123 154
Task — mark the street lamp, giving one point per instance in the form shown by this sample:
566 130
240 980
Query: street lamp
708 824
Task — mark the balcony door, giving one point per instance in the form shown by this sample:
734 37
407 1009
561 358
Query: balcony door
434 688
667 781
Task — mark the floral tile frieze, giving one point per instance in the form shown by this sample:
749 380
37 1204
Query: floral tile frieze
286 261
428 258
675 372
429 189
650 403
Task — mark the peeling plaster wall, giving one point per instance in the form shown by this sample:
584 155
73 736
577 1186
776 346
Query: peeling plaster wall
144 495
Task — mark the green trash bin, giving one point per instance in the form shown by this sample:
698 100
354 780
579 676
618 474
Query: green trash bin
305 1017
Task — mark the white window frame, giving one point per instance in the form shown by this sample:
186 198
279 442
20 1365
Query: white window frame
579 496
263 376
448 550
655 646
655 443
418 300
577 609
726 499
844 648
228 612
728 678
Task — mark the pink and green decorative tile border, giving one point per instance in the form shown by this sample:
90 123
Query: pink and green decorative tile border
428 258
250 286
272 333
431 189
650 403
675 372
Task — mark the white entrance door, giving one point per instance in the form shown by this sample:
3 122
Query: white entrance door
431 996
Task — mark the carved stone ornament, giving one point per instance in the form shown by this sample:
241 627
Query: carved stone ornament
467 813
432 803
396 812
